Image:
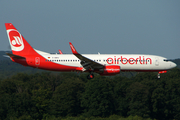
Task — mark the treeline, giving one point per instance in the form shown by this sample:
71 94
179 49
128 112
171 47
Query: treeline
57 96
9 68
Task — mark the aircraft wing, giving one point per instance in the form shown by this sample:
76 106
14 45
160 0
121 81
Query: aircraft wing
86 62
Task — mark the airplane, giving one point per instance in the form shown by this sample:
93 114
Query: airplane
103 64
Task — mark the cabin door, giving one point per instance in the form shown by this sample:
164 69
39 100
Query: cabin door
156 61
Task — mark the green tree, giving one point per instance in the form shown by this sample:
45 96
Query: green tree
120 86
66 98
166 100
98 98
14 101
138 97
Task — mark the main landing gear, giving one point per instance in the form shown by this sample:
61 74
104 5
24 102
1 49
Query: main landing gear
90 76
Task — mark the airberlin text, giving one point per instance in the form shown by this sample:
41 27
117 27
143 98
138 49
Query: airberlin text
131 60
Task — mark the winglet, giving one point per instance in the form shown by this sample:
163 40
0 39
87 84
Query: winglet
60 52
73 49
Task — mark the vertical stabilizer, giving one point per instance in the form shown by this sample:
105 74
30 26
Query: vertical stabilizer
19 45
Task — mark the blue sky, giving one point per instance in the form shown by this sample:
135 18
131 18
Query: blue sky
108 27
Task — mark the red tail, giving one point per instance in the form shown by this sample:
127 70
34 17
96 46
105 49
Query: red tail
19 45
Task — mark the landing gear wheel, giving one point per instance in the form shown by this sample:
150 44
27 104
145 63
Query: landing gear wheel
158 76
90 76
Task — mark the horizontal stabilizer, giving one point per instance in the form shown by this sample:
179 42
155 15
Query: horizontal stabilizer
15 56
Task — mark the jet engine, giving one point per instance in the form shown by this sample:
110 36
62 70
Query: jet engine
110 70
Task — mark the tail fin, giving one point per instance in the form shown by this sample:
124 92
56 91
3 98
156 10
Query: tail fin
19 45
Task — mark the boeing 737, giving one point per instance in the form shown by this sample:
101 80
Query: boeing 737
103 64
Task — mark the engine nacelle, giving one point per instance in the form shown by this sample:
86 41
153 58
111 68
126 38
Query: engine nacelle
110 70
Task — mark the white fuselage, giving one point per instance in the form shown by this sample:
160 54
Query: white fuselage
127 62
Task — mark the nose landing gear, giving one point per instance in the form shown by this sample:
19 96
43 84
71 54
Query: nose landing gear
158 76
160 72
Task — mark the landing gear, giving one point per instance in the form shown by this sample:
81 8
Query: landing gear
158 76
160 72
90 76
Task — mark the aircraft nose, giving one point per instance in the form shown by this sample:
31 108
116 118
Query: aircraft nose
173 65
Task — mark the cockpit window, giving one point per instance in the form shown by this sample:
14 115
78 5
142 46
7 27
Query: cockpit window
166 60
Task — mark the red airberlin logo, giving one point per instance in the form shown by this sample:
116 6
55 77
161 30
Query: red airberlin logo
124 60
15 40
